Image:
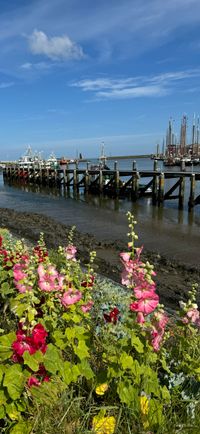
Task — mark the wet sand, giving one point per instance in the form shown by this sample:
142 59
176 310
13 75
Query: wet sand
175 257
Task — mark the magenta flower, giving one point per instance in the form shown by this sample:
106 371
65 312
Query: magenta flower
140 318
71 297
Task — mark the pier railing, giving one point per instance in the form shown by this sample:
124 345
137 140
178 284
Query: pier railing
133 184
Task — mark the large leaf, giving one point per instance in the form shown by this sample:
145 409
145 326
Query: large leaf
52 359
33 360
136 343
5 345
14 381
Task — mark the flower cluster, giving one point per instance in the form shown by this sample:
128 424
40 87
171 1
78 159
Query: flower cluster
49 278
40 252
29 341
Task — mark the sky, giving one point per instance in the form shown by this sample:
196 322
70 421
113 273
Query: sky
78 73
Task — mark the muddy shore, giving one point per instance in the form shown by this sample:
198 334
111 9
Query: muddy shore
173 278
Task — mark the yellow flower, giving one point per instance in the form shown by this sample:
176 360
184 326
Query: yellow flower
103 425
144 405
101 389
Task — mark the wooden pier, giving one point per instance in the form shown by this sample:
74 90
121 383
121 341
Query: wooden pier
133 184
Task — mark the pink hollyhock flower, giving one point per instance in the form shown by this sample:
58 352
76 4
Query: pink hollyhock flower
18 272
144 292
21 346
71 297
161 320
70 252
125 256
33 381
31 343
156 342
87 307
193 315
146 305
22 287
49 278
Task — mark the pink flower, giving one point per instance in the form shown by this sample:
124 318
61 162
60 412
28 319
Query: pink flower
33 381
23 287
18 272
49 278
70 252
87 307
71 297
144 292
193 314
146 305
125 256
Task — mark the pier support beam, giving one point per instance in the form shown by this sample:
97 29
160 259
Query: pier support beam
155 190
191 201
135 186
116 179
181 192
161 188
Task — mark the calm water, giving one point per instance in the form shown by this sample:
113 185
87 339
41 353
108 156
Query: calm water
165 229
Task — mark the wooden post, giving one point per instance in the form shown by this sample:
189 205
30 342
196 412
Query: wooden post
161 188
134 166
181 192
192 191
68 176
155 190
75 180
86 181
100 181
155 165
135 185
116 179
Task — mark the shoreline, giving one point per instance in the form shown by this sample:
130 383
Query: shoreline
173 279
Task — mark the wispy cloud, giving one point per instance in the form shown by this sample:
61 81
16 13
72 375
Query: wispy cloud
55 48
4 85
136 87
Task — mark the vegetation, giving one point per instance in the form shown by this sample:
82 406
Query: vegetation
78 356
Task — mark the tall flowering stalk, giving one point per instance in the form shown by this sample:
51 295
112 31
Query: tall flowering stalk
138 276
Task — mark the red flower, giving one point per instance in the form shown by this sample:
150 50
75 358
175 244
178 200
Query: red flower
33 381
112 316
1 241
31 343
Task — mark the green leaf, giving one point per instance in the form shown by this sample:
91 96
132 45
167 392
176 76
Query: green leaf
166 394
126 361
81 350
6 289
33 360
18 308
14 381
52 359
3 398
136 343
126 392
5 345
21 428
12 412
2 412
85 369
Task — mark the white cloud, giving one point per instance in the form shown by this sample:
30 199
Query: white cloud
56 47
135 87
26 65
133 92
4 85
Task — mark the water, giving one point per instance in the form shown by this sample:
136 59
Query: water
165 229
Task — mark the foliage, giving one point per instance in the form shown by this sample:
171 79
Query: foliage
78 356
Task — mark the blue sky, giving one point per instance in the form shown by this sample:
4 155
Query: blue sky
74 73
